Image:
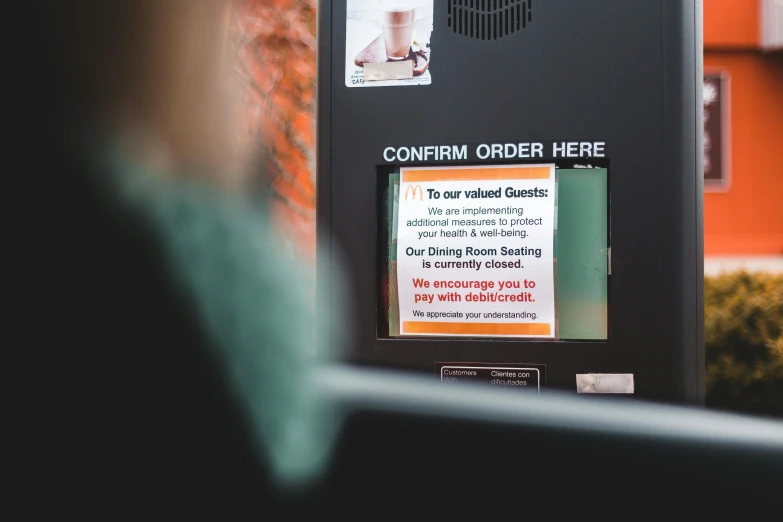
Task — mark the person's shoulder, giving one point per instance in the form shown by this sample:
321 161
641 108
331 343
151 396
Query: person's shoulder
257 302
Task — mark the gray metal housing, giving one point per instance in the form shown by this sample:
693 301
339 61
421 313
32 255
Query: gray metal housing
625 72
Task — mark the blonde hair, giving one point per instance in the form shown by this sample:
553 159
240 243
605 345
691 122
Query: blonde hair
154 66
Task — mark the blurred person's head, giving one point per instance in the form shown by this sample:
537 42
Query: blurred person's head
149 73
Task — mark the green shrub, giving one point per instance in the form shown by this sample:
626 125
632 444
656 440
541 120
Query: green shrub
744 342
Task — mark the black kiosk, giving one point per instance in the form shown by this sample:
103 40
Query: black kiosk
514 189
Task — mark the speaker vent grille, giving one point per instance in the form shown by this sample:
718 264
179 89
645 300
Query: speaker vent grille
489 19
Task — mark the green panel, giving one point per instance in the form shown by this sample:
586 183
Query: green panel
581 248
393 202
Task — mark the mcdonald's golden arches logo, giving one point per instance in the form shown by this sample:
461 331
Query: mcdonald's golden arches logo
414 189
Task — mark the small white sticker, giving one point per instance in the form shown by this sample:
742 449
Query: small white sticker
604 383
388 31
374 72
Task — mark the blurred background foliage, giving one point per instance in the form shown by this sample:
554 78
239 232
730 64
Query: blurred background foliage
744 342
273 57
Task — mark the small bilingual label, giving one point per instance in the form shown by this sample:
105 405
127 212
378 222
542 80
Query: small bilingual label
520 377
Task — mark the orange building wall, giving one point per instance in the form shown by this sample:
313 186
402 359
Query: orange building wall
746 219
731 23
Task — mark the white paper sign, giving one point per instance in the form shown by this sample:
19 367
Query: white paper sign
475 250
387 31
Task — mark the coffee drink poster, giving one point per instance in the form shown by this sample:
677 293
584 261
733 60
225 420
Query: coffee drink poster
387 43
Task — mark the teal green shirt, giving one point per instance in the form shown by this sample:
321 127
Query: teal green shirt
256 303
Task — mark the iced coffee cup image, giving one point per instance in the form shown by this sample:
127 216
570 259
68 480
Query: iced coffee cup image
398 20
393 36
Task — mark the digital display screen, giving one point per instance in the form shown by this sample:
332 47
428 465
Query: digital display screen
494 251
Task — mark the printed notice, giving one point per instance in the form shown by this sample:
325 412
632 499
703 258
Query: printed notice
475 251
393 38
